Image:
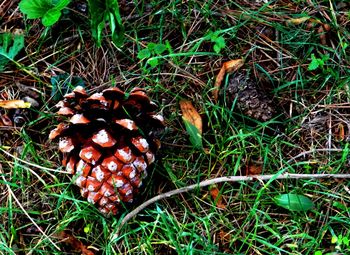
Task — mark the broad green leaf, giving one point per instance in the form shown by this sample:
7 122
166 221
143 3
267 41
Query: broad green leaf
216 48
195 136
220 41
35 8
48 10
144 53
159 48
314 63
346 240
10 46
294 202
51 17
151 46
153 62
318 253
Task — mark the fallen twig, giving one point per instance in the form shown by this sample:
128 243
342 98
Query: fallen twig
226 179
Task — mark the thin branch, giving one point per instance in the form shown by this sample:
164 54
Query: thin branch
304 153
226 179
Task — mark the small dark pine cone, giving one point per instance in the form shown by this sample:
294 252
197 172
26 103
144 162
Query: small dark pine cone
107 143
248 98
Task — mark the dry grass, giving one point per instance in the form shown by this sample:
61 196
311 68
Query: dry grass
312 114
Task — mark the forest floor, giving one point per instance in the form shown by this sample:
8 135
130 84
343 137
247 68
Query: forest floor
295 52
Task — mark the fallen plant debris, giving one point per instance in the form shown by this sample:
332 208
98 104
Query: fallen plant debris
287 112
227 67
110 155
269 178
217 197
75 244
14 104
193 123
249 99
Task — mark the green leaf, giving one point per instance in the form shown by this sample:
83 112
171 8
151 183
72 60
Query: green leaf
220 41
216 48
10 46
62 84
101 12
144 53
159 48
61 4
48 10
318 253
334 239
51 17
346 240
151 46
87 229
314 63
195 136
35 8
294 202
153 62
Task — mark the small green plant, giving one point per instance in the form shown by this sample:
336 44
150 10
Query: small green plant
217 39
342 242
10 46
151 52
317 62
48 10
102 11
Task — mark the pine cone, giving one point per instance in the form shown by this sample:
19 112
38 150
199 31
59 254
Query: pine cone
249 99
107 142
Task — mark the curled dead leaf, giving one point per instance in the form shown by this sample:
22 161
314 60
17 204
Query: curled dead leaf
5 120
72 241
190 114
14 104
340 132
193 123
227 67
215 194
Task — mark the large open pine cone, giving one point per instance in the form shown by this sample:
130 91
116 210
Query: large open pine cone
107 142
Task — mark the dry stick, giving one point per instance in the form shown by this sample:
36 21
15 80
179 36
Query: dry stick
226 179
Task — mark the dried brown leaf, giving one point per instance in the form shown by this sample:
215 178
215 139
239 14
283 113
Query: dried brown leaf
253 169
14 104
215 194
5 120
190 114
72 241
227 67
340 132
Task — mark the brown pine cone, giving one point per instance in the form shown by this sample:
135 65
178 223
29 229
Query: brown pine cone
106 141
248 98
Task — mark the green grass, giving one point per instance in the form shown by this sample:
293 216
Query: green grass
312 107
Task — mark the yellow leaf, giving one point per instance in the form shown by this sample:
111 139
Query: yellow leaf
190 114
14 104
227 67
298 21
